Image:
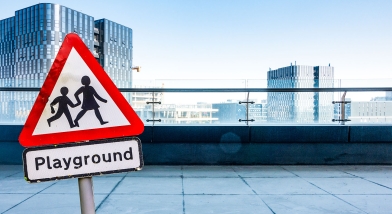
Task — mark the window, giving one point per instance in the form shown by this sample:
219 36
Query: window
69 20
48 16
49 52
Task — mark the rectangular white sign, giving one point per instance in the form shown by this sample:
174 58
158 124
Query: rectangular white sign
82 159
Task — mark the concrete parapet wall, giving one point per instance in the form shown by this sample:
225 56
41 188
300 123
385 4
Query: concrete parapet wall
238 145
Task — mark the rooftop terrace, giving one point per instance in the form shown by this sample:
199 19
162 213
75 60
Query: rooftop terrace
210 189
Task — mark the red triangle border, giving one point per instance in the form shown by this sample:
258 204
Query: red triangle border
26 137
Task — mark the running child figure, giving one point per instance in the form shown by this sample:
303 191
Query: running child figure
63 102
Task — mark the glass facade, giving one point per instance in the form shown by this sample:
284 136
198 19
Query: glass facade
113 46
305 107
30 40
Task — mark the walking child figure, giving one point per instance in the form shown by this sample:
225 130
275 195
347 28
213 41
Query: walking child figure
63 102
89 102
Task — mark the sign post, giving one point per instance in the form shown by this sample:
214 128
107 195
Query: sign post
80 125
86 195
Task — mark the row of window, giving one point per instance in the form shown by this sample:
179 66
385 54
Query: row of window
7 47
48 17
115 33
7 29
6 72
7 59
118 51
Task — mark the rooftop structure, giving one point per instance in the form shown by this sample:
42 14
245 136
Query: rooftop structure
305 107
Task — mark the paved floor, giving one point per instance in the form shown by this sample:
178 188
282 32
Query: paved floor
210 189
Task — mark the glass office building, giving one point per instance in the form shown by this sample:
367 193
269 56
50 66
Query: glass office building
304 107
113 48
30 40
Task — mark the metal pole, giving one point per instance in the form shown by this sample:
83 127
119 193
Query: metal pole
86 194
153 104
342 108
247 110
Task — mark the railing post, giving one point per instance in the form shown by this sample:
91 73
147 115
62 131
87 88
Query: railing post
153 108
342 108
153 102
247 109
342 103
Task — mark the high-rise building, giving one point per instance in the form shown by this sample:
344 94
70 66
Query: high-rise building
30 40
300 107
113 49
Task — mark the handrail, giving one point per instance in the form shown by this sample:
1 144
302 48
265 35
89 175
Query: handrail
227 89
187 90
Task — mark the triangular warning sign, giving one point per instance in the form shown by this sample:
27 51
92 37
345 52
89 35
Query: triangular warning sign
78 102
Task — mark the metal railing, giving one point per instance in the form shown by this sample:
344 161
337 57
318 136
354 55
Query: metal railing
165 109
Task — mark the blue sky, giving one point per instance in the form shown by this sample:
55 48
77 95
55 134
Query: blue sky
242 39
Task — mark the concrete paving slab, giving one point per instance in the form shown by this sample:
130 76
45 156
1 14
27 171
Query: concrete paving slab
370 171
162 204
308 204
52 203
210 189
18 175
209 171
225 204
370 203
157 171
262 172
19 185
387 182
288 186
149 185
318 171
101 185
215 186
348 186
9 200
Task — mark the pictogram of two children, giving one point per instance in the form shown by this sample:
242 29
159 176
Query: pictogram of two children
89 103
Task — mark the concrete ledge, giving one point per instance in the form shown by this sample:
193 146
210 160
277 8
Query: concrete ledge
371 134
216 134
10 133
11 153
247 145
309 134
266 153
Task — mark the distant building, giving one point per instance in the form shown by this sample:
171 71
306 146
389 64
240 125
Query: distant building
388 96
229 112
200 113
140 99
347 110
258 111
371 112
380 99
305 107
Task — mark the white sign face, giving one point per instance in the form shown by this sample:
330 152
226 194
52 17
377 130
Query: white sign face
71 77
82 159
